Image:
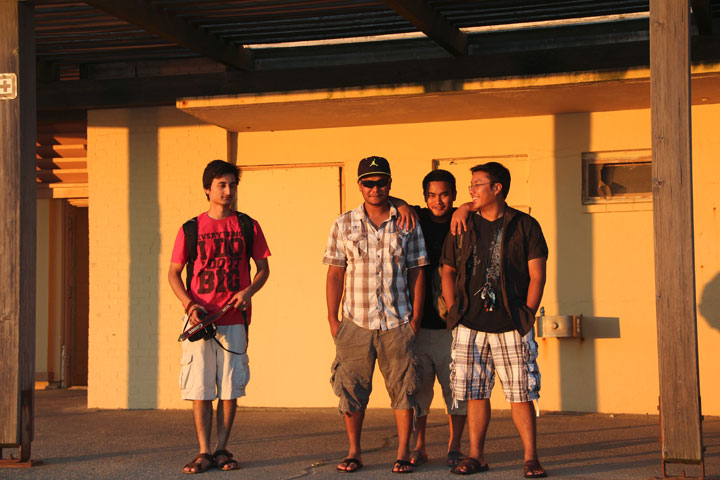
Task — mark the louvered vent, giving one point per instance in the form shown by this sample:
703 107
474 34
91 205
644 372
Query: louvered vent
62 157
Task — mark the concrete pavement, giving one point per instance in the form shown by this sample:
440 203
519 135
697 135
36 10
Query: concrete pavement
74 442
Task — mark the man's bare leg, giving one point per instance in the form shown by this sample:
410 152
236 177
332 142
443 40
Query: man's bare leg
420 425
403 420
202 415
225 417
457 425
353 427
523 415
478 419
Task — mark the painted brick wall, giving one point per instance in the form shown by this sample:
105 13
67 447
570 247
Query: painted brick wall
144 176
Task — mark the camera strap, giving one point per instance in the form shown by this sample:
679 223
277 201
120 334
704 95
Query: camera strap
211 319
247 338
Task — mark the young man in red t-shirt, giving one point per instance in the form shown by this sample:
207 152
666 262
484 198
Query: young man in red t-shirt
221 276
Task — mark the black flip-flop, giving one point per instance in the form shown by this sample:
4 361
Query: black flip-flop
348 462
402 463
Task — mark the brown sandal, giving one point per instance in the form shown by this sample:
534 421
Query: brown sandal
229 463
469 466
533 469
197 465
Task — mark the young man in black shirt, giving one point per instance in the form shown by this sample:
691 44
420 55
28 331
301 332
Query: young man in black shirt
433 340
492 281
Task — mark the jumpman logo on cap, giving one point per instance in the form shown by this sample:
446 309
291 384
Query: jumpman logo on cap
373 164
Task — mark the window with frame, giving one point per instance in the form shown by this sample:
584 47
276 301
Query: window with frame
617 177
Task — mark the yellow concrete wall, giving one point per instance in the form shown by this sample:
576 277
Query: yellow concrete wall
145 168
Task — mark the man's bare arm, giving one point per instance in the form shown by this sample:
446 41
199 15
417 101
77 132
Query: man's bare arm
536 268
448 285
334 284
178 287
416 287
407 216
458 221
241 300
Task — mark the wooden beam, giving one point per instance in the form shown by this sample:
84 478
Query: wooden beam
702 12
17 233
432 24
162 23
84 94
681 432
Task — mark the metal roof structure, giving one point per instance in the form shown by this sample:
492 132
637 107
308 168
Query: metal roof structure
103 53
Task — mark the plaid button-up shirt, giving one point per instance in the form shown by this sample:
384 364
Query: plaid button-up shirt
376 263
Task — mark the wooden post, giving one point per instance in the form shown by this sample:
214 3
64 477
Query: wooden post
680 416
17 227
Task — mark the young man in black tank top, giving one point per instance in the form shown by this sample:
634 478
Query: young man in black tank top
433 340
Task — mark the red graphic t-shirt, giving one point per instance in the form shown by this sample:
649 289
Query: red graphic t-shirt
221 269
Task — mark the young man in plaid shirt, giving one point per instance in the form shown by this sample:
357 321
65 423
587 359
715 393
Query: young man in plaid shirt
378 265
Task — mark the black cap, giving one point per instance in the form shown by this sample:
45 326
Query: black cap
373 166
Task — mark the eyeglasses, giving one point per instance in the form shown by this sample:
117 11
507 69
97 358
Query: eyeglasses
375 183
474 186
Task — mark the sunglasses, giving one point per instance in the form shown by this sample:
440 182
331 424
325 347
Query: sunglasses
375 183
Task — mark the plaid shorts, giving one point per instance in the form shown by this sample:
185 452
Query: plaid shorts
477 355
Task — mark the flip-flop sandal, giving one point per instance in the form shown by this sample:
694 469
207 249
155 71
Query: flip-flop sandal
402 464
417 458
531 467
468 466
197 465
454 457
349 462
234 465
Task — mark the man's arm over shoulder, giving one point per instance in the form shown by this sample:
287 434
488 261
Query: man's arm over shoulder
407 214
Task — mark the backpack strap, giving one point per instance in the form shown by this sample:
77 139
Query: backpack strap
248 232
190 231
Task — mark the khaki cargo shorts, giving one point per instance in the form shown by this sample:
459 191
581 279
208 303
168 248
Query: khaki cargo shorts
357 349
208 372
